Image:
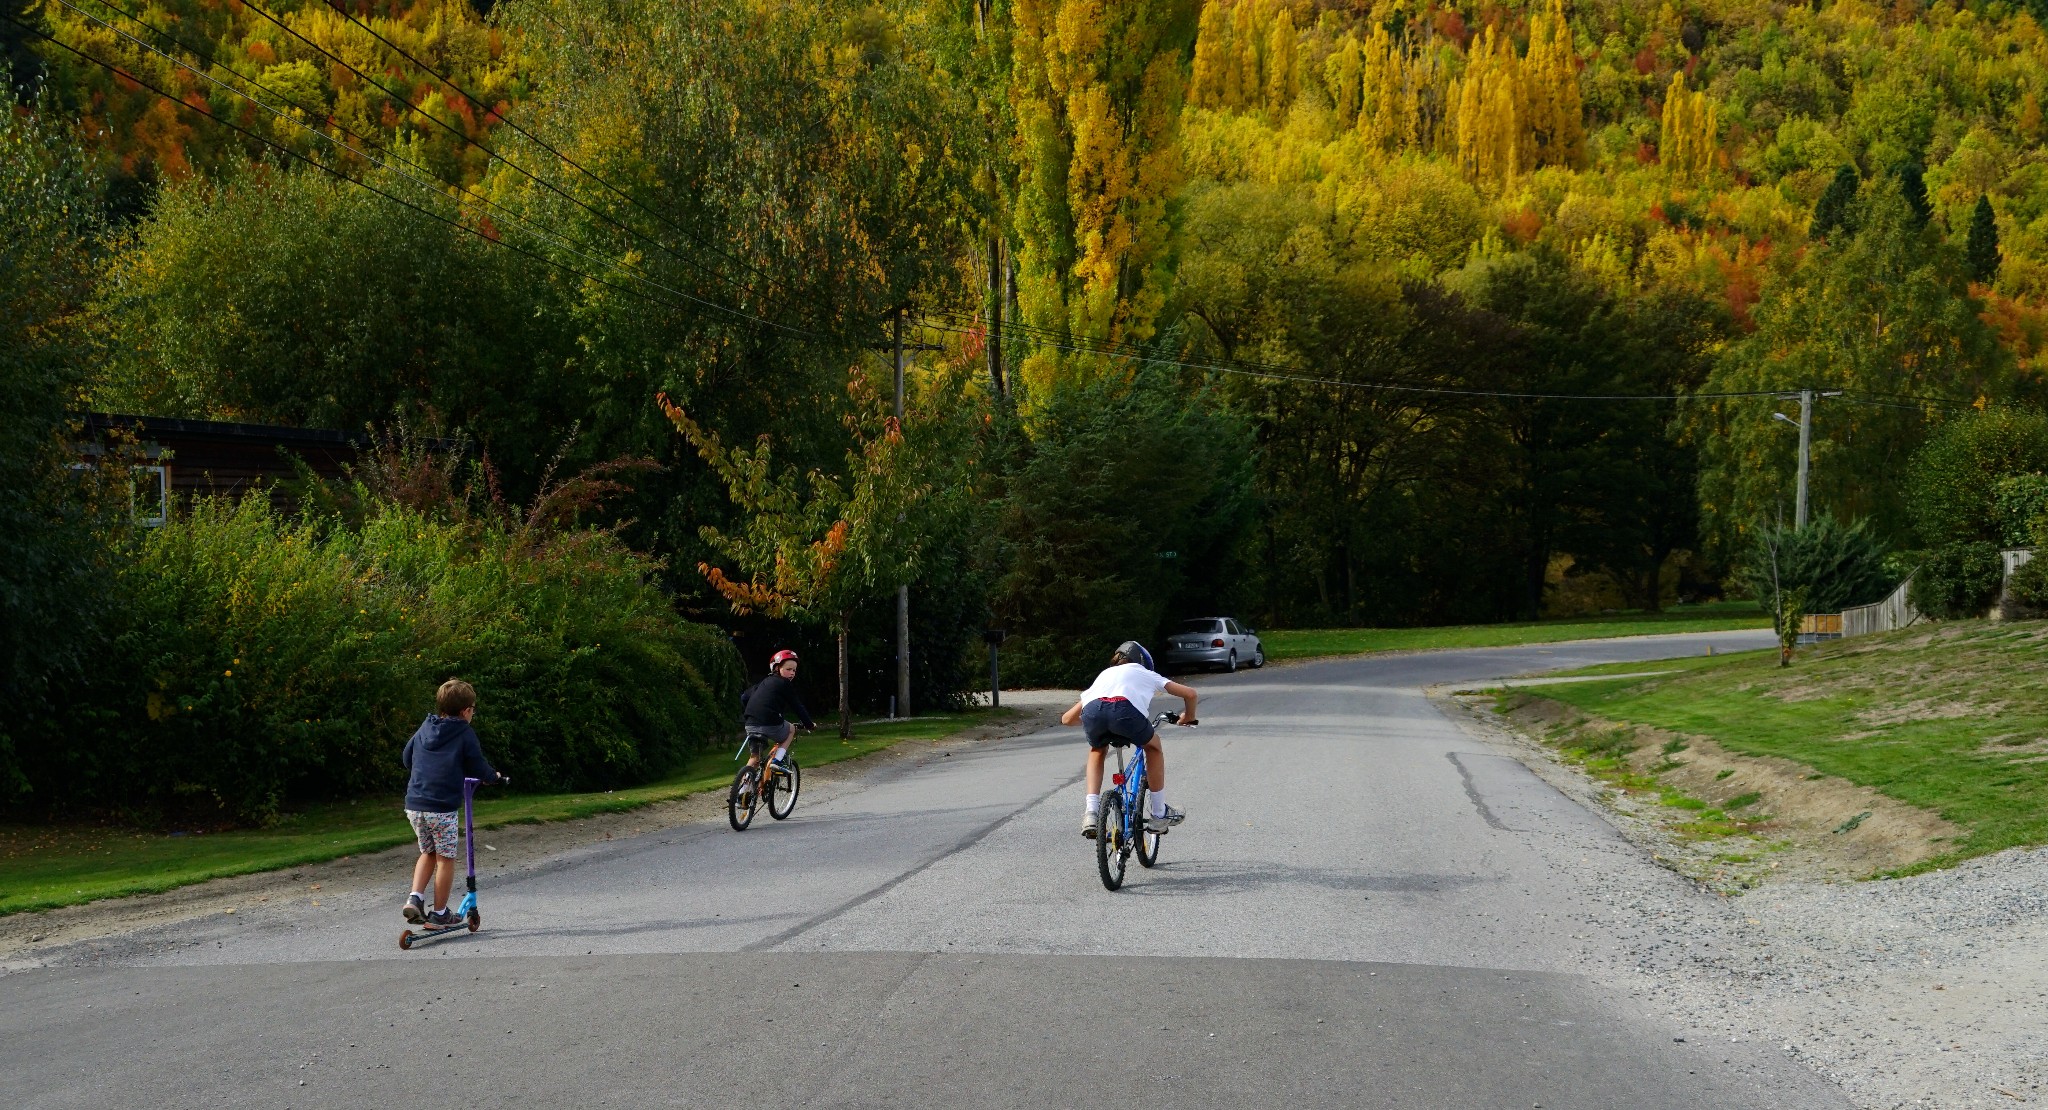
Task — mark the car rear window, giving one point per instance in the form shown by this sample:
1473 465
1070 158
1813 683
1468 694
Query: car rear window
1200 626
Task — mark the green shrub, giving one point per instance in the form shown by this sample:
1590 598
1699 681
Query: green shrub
1958 581
2028 587
2020 501
256 661
1953 488
50 222
1838 565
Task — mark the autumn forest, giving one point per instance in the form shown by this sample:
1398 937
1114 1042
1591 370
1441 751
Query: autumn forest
1319 312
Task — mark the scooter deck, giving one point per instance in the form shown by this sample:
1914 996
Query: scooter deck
413 938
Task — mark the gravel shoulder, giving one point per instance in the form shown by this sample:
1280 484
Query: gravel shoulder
1924 991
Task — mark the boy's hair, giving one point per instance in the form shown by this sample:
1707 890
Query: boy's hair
453 697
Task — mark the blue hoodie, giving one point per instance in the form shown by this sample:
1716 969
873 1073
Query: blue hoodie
440 755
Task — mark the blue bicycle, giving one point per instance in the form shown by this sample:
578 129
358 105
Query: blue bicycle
1124 830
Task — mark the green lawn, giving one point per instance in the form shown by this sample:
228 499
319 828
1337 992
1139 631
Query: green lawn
1950 718
42 867
1309 643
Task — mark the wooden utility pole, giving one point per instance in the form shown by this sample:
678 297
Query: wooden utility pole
903 591
1805 455
995 314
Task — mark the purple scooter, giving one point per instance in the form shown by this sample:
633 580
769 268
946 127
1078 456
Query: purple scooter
468 910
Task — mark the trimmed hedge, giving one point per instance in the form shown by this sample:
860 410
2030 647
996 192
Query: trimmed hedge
255 661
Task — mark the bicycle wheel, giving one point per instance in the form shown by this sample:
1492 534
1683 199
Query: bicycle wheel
1111 847
743 799
783 785
1147 841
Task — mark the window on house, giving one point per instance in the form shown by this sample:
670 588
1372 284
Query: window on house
149 495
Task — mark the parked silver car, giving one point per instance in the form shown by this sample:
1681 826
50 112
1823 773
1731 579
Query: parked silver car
1218 642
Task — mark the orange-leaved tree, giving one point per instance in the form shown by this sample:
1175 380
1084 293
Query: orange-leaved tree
810 545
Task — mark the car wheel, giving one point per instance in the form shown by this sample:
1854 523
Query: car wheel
1231 667
1259 656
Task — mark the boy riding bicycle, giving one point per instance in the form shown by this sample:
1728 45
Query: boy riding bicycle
1117 707
766 703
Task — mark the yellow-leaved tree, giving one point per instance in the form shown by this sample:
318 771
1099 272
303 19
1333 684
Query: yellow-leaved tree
1556 119
1493 111
1343 75
1516 113
1283 69
1399 95
1689 145
1097 89
1212 83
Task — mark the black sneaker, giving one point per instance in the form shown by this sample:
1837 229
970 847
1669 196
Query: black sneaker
443 919
1091 826
1168 818
415 909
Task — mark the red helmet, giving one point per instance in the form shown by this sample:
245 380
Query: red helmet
781 657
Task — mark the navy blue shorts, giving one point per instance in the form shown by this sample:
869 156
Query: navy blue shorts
1114 722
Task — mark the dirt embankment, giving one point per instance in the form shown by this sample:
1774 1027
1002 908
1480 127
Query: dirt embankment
1808 824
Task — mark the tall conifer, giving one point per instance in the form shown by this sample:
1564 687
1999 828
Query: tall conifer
1980 252
1832 210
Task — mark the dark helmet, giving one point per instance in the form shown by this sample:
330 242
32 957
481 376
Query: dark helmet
1131 651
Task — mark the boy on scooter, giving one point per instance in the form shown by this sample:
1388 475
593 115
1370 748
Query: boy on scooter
439 756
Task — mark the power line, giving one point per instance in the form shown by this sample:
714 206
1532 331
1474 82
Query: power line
529 174
337 174
422 178
1269 372
544 145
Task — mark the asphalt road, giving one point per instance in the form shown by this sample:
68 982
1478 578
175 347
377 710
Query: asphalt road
1366 908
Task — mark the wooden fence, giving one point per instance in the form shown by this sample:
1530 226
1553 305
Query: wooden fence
1895 611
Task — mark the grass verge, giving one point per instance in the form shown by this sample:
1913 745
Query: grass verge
43 867
1949 718
1714 842
1309 643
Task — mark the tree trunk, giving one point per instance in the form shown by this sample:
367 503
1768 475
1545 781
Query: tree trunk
845 685
1656 604
1350 586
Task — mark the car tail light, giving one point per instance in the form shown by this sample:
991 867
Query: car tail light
1216 642
1119 779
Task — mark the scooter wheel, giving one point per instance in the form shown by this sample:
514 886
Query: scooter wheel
476 920
405 940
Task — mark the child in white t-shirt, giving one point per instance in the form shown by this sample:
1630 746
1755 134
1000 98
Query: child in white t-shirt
1117 709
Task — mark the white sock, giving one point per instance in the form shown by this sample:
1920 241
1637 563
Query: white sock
420 894
1158 804
1095 803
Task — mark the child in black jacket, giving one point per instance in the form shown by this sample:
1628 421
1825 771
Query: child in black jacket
439 756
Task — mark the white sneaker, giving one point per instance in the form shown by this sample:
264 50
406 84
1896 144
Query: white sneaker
1168 818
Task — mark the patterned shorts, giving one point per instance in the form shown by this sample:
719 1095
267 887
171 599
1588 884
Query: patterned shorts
438 832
